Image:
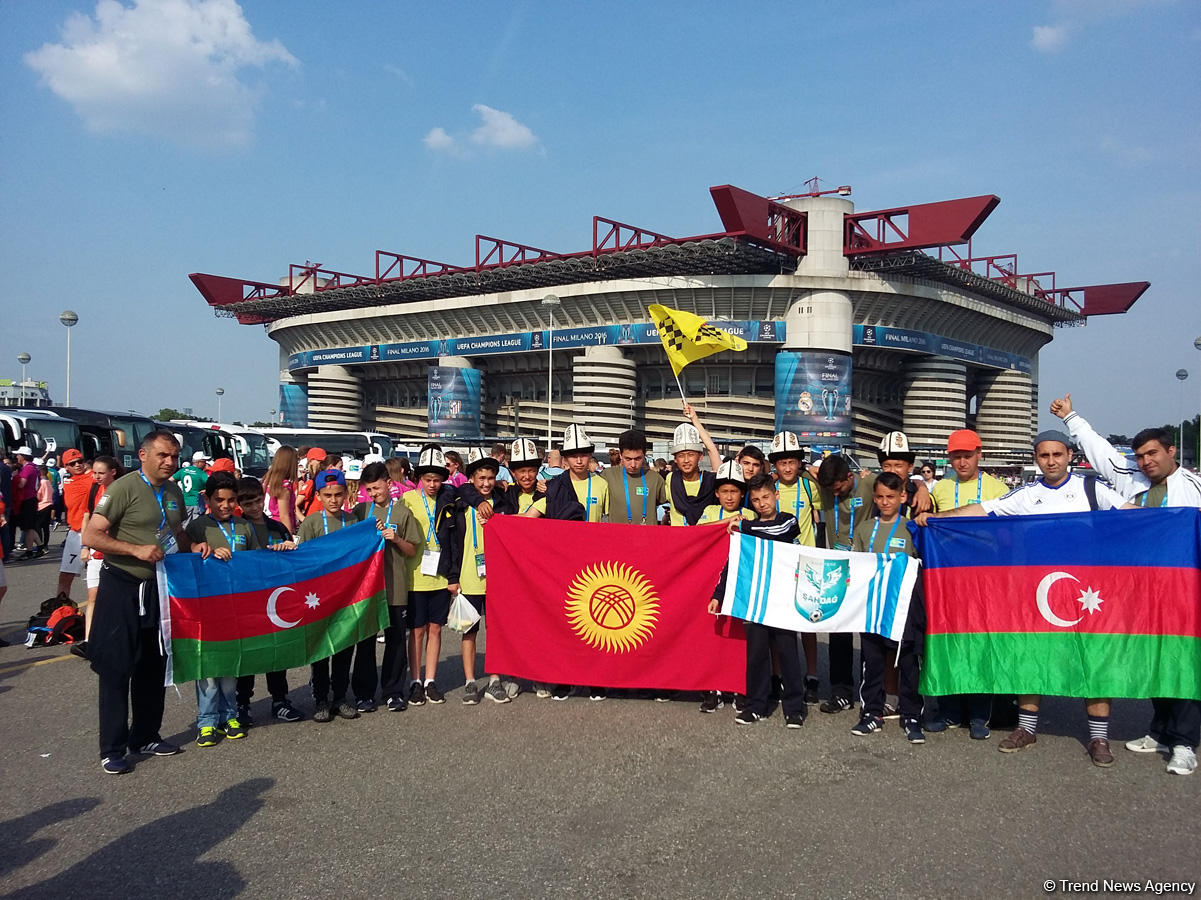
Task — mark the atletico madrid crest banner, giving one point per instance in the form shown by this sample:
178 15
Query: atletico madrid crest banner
1098 604
620 606
268 610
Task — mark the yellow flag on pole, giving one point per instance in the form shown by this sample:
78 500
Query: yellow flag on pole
687 337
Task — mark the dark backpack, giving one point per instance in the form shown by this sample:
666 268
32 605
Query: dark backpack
57 621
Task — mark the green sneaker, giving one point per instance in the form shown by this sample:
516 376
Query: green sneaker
209 737
233 730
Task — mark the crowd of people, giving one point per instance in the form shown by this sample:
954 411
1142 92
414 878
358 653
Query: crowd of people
433 519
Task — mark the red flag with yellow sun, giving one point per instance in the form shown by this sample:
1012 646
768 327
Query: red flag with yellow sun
620 606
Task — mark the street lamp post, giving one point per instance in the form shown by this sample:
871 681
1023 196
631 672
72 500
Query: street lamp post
1181 375
550 301
23 359
69 319
220 391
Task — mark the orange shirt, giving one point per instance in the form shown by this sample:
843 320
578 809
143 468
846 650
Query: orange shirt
75 496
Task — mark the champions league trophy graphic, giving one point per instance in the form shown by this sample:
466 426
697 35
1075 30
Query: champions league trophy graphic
830 402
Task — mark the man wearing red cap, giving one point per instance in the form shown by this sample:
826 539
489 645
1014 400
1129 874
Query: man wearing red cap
964 485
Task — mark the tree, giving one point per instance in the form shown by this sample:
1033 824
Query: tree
166 414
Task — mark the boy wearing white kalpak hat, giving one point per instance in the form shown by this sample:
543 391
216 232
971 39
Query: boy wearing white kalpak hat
689 490
576 495
429 599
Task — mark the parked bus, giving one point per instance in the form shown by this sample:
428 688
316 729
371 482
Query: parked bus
115 433
344 443
245 446
46 435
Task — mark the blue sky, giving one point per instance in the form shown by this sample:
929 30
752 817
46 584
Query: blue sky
146 141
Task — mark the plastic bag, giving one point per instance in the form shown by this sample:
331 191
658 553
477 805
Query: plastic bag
462 616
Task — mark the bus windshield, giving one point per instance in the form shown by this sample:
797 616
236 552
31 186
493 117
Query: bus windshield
255 457
40 432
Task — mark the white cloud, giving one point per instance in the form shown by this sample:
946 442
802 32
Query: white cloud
1049 38
161 67
439 140
499 129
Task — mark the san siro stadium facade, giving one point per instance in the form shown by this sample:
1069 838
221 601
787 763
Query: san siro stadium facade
857 323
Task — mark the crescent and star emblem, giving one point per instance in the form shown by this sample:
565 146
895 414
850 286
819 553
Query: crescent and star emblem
312 601
1090 601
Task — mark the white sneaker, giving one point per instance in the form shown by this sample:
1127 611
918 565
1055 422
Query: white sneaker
1146 744
1183 761
541 691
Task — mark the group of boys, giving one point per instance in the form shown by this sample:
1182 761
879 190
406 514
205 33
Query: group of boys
435 539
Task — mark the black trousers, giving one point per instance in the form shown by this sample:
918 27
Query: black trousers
394 672
364 677
277 687
142 690
332 672
842 664
1176 722
760 640
875 653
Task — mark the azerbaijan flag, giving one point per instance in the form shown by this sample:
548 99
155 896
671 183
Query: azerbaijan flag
269 610
1097 604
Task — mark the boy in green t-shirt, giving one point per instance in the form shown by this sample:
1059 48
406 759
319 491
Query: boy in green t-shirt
467 572
887 533
402 535
219 533
332 673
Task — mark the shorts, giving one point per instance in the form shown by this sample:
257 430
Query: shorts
477 603
94 566
72 564
27 515
428 608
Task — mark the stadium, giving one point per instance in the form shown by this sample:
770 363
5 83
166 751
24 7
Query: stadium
857 323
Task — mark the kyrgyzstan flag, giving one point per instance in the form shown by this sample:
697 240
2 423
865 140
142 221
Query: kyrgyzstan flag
619 606
1099 604
267 610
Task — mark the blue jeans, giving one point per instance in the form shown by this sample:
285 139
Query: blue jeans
216 701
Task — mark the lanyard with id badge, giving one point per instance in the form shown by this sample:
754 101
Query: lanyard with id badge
856 502
475 545
164 535
430 558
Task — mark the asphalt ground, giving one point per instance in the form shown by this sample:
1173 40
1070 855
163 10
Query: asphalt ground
536 798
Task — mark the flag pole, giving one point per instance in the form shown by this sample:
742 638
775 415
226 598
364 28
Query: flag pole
680 386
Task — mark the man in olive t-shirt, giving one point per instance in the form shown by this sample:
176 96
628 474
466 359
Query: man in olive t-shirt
136 523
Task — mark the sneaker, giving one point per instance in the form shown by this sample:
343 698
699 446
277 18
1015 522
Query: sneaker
560 692
397 703
811 684
662 697
913 731
498 693
365 706
233 730
1098 752
1147 744
80 649
1183 761
952 722
598 694
541 691
322 712
836 704
471 693
159 748
711 702
286 712
416 694
978 730
739 702
115 765
244 716
937 725
867 724
1018 739
432 694
794 721
890 711
345 710
512 689
746 717
209 737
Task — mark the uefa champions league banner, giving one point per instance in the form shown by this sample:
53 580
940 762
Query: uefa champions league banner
809 589
813 394
454 402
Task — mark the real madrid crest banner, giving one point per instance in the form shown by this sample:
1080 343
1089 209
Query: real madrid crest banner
267 610
1096 604
687 337
809 589
621 606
